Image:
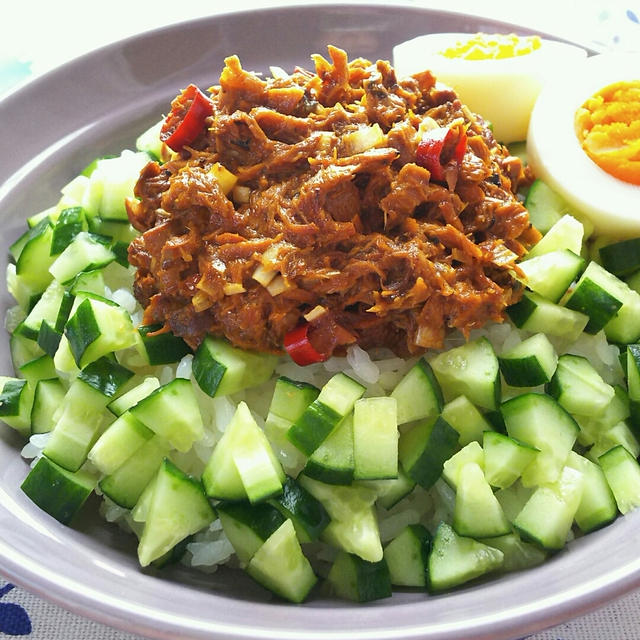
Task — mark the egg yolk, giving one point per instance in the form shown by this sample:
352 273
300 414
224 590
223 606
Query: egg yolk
483 46
608 128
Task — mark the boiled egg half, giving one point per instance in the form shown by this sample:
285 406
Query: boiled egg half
584 141
498 76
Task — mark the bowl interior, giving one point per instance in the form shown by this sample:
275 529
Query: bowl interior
96 105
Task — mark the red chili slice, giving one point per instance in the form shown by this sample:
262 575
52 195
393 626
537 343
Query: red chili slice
437 149
299 347
187 117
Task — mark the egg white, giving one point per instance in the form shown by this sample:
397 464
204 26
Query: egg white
556 156
503 91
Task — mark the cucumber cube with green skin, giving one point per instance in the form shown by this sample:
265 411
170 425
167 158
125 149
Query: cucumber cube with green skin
578 387
178 508
375 438
71 221
333 461
407 556
597 506
391 491
336 399
248 526
530 363
280 565
58 492
456 559
173 413
84 253
472 452
308 515
127 483
32 266
119 441
477 512
133 396
622 472
353 578
518 554
621 258
353 526
513 498
547 516
41 368
418 395
593 428
619 434
541 422
545 206
471 370
162 348
466 419
96 328
23 350
599 295
106 376
82 415
551 274
290 398
49 395
46 309
505 459
536 314
566 233
424 449
220 369
243 465
16 402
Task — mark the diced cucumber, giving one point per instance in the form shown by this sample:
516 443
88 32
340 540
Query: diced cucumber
578 387
597 506
424 448
58 492
530 363
308 515
566 233
82 415
353 578
513 498
178 508
477 512
455 559
106 376
550 274
547 516
592 428
353 526
622 472
466 419
131 398
172 412
126 484
375 438
407 556
48 396
71 221
23 350
518 554
120 441
621 258
599 295
220 369
333 461
471 370
47 309
545 206
32 266
536 314
619 434
96 328
290 398
418 395
248 526
84 253
390 492
539 421
162 347
16 402
280 566
243 464
471 452
505 459
149 142
335 401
